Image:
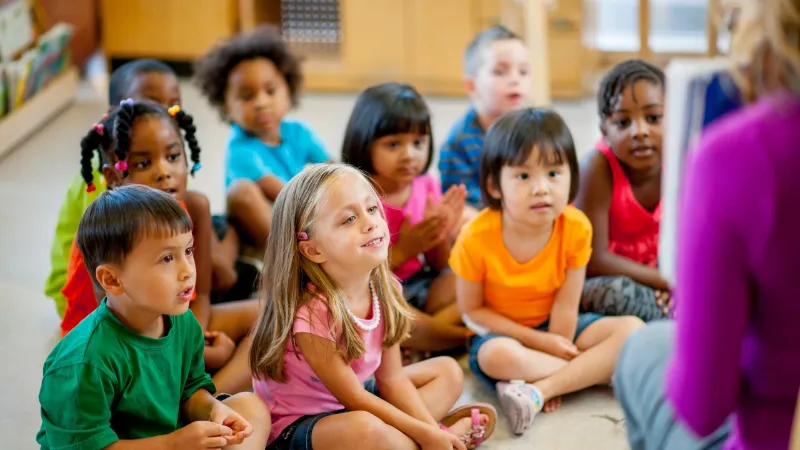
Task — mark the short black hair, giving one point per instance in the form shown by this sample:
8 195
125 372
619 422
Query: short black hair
621 76
118 219
512 138
114 130
383 110
121 78
472 55
212 70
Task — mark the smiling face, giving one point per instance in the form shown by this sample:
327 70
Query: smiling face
503 81
399 158
257 97
157 157
158 276
349 234
535 192
634 129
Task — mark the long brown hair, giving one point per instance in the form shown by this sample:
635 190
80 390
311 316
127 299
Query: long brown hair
765 45
287 274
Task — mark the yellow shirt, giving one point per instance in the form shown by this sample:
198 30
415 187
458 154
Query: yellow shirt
522 292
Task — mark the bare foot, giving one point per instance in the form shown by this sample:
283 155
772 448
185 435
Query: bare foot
552 404
463 427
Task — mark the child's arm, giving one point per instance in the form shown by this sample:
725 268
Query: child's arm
416 239
564 315
271 186
469 295
594 199
329 366
397 389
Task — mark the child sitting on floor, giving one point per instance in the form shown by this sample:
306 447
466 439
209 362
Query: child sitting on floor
521 265
326 355
620 192
131 375
147 148
497 80
253 79
389 137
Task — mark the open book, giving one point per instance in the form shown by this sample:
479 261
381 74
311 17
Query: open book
698 93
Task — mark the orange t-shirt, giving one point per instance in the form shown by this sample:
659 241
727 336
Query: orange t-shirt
522 292
79 290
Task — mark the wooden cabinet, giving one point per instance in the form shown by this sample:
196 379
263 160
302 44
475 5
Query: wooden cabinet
180 30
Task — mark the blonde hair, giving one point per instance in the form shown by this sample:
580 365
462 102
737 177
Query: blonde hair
288 273
765 45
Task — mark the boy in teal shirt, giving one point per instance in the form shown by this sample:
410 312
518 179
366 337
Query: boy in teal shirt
131 375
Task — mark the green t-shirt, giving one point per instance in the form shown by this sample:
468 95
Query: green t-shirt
103 382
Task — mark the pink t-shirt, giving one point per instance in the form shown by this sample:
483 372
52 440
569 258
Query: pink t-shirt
303 393
422 187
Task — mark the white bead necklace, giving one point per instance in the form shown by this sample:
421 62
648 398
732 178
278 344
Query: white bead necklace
376 313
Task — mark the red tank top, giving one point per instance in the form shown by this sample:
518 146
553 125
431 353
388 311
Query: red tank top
79 290
632 230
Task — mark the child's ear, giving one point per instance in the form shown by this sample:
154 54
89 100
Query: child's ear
493 189
108 278
113 176
310 251
469 85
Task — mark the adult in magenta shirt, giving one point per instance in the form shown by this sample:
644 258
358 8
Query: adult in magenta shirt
734 373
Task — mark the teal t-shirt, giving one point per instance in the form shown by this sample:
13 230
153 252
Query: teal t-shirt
103 382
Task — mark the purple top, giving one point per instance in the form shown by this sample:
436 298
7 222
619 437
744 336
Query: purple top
738 297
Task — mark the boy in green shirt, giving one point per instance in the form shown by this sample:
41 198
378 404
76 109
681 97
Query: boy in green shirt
131 375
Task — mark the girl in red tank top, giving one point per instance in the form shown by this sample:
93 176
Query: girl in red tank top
620 192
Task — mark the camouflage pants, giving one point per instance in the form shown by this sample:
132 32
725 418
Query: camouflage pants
620 296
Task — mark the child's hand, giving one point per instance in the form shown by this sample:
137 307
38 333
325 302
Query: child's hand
419 238
438 439
451 206
201 435
558 346
664 300
219 349
224 415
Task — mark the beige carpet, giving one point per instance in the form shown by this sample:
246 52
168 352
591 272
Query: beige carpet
33 180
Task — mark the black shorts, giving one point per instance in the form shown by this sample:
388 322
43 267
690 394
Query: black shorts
297 436
220 224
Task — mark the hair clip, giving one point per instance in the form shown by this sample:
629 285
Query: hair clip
197 166
90 188
174 110
127 101
302 236
99 128
105 116
121 166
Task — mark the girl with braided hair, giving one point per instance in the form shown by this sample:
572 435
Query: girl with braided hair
144 145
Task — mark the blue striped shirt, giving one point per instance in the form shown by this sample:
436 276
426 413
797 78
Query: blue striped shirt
460 157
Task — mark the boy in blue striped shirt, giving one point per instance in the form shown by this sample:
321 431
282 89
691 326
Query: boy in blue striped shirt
497 80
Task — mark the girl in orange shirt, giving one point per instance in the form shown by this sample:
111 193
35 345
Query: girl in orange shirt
521 264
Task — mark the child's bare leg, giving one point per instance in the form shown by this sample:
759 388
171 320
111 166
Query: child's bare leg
351 430
440 382
229 245
441 293
504 358
235 319
449 314
600 345
249 406
429 334
250 211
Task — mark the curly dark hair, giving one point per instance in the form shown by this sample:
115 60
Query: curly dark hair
212 70
113 132
625 74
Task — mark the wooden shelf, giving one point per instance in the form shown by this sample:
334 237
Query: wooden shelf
20 123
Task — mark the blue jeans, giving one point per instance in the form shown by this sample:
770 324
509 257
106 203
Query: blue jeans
584 320
297 436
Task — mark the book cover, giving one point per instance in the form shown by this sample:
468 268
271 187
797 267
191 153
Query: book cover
699 93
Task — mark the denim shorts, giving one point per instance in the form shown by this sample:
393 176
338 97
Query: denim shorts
297 436
417 287
584 320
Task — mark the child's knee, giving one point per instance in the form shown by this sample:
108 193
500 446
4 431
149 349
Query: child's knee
370 429
499 352
242 192
449 369
627 325
252 408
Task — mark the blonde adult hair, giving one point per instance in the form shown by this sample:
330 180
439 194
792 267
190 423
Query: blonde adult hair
765 45
288 273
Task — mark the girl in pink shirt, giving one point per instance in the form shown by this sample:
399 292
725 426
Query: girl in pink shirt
389 138
325 354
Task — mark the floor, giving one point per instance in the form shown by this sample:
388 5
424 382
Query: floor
34 178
